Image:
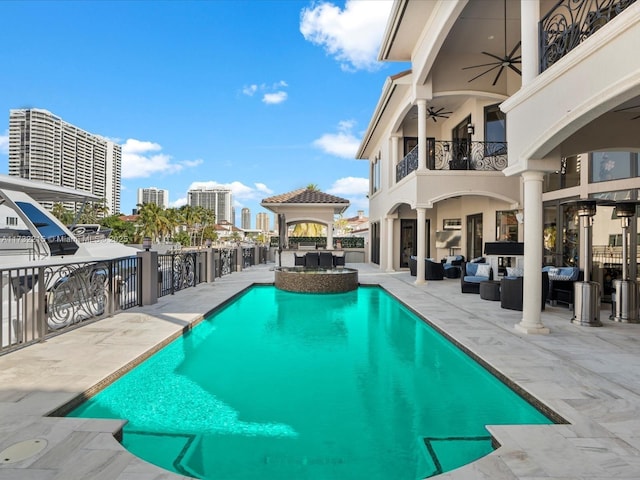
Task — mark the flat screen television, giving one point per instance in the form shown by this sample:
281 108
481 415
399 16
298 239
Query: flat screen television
448 239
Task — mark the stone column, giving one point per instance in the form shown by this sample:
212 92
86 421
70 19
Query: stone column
422 134
394 160
389 244
210 265
529 18
150 276
532 283
422 245
330 236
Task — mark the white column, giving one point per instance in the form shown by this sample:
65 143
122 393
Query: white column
422 134
422 245
330 236
529 18
389 244
394 160
532 283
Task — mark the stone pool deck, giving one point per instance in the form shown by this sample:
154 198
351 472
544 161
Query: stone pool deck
588 376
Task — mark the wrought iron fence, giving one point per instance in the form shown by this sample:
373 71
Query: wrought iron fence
408 164
40 301
180 270
571 22
248 257
457 155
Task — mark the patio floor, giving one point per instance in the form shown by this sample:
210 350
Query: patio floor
588 376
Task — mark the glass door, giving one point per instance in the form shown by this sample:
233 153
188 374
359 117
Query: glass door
461 143
474 236
408 245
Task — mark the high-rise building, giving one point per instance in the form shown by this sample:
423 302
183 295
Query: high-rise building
44 147
155 195
262 222
245 222
217 199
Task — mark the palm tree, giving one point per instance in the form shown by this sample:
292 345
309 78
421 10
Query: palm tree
94 212
151 220
192 218
61 213
313 187
207 218
174 220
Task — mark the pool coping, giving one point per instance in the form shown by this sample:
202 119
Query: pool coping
599 442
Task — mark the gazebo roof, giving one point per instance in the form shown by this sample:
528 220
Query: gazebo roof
306 197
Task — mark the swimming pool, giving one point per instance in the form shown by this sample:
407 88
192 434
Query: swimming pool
280 385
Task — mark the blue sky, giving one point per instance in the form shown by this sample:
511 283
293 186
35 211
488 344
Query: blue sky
262 96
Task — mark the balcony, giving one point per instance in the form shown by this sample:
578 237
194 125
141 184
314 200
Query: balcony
456 155
571 22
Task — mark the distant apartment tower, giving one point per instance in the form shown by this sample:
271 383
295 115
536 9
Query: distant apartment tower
245 222
216 199
155 195
44 147
262 222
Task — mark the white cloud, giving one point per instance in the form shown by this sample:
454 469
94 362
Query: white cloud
141 159
353 186
342 144
274 98
352 36
271 94
354 189
250 90
4 143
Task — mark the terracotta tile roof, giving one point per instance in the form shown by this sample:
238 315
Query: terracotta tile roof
305 195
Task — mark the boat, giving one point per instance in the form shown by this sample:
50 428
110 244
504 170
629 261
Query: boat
77 268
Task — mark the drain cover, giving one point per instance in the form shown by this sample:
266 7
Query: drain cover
22 450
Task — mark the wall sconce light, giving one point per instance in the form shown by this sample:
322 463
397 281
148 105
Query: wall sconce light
207 243
146 243
471 129
446 147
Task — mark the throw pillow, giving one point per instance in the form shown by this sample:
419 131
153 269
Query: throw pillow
514 272
483 270
472 268
451 258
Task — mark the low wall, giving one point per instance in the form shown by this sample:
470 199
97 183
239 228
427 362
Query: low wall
316 280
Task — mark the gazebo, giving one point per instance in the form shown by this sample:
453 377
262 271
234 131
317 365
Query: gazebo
305 205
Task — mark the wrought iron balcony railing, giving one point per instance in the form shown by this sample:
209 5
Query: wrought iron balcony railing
570 23
456 155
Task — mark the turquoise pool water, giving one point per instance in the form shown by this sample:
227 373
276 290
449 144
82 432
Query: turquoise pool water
281 385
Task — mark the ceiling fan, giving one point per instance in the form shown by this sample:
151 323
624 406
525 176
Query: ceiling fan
629 108
507 61
435 114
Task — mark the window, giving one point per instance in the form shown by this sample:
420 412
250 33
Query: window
605 166
375 174
452 224
12 221
506 226
567 176
495 122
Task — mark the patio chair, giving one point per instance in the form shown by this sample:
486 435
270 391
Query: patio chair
452 265
511 292
433 270
325 260
338 261
311 259
561 284
473 274
299 260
